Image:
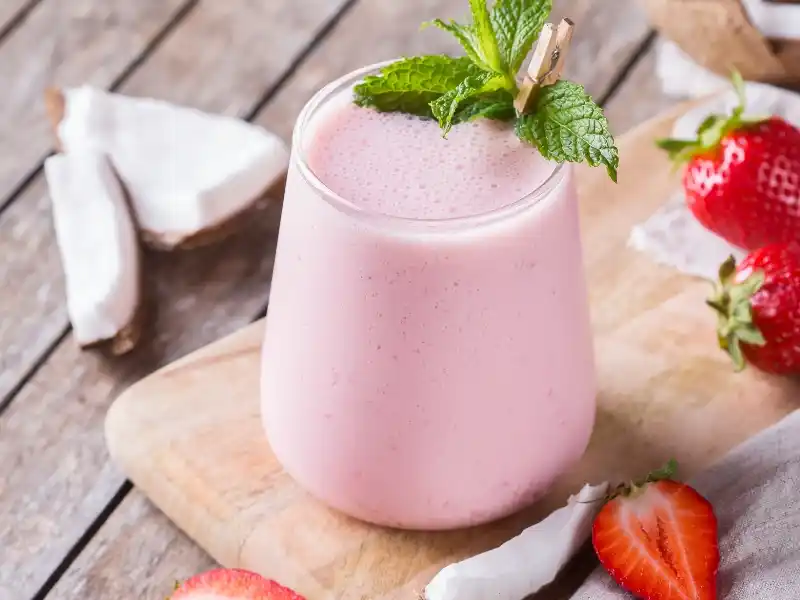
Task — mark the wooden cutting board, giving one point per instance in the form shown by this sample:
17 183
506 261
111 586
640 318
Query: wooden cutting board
190 435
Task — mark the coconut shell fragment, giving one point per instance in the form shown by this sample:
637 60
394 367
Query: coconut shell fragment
99 250
55 106
190 175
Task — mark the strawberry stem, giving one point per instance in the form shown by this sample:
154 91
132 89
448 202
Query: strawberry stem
635 487
738 86
666 472
712 130
731 302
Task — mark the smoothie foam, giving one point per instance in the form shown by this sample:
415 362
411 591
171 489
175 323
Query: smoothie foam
401 165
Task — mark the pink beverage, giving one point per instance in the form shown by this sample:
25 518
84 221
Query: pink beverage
428 357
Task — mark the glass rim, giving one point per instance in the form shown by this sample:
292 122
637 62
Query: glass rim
377 217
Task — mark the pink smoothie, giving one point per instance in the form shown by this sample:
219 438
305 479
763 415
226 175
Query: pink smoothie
428 357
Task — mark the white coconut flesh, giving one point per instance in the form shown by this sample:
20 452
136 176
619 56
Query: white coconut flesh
97 240
186 171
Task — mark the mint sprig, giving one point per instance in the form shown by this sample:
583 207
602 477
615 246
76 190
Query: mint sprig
565 124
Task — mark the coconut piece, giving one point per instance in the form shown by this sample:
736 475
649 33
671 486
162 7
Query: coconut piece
187 173
526 563
223 229
96 237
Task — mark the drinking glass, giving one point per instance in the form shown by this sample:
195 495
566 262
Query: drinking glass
426 373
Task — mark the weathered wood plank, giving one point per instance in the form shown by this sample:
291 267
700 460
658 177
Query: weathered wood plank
35 314
65 43
221 59
363 35
606 38
137 549
639 97
57 474
13 11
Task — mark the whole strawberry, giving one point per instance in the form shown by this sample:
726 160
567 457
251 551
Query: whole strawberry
658 540
742 177
235 584
758 308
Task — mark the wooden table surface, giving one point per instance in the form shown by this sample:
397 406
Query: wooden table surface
71 526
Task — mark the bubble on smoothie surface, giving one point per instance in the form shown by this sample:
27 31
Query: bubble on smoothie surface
400 165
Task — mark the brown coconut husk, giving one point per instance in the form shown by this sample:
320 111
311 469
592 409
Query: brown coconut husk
719 36
55 105
219 231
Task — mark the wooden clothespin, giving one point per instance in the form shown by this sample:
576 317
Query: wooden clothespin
547 63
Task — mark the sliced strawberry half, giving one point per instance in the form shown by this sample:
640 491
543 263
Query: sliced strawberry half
224 584
658 540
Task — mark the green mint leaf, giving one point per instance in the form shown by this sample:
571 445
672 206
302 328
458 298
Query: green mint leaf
444 108
484 34
516 25
497 105
477 38
566 125
466 37
411 84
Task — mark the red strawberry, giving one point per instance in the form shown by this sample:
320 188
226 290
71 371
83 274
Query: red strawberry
742 180
658 540
758 306
220 584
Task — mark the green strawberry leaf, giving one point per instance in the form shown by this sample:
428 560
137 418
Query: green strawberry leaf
751 335
411 84
668 471
731 301
567 125
707 124
674 147
713 129
497 105
444 108
517 24
727 270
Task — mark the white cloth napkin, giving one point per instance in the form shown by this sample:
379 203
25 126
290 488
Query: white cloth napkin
755 491
681 77
672 236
